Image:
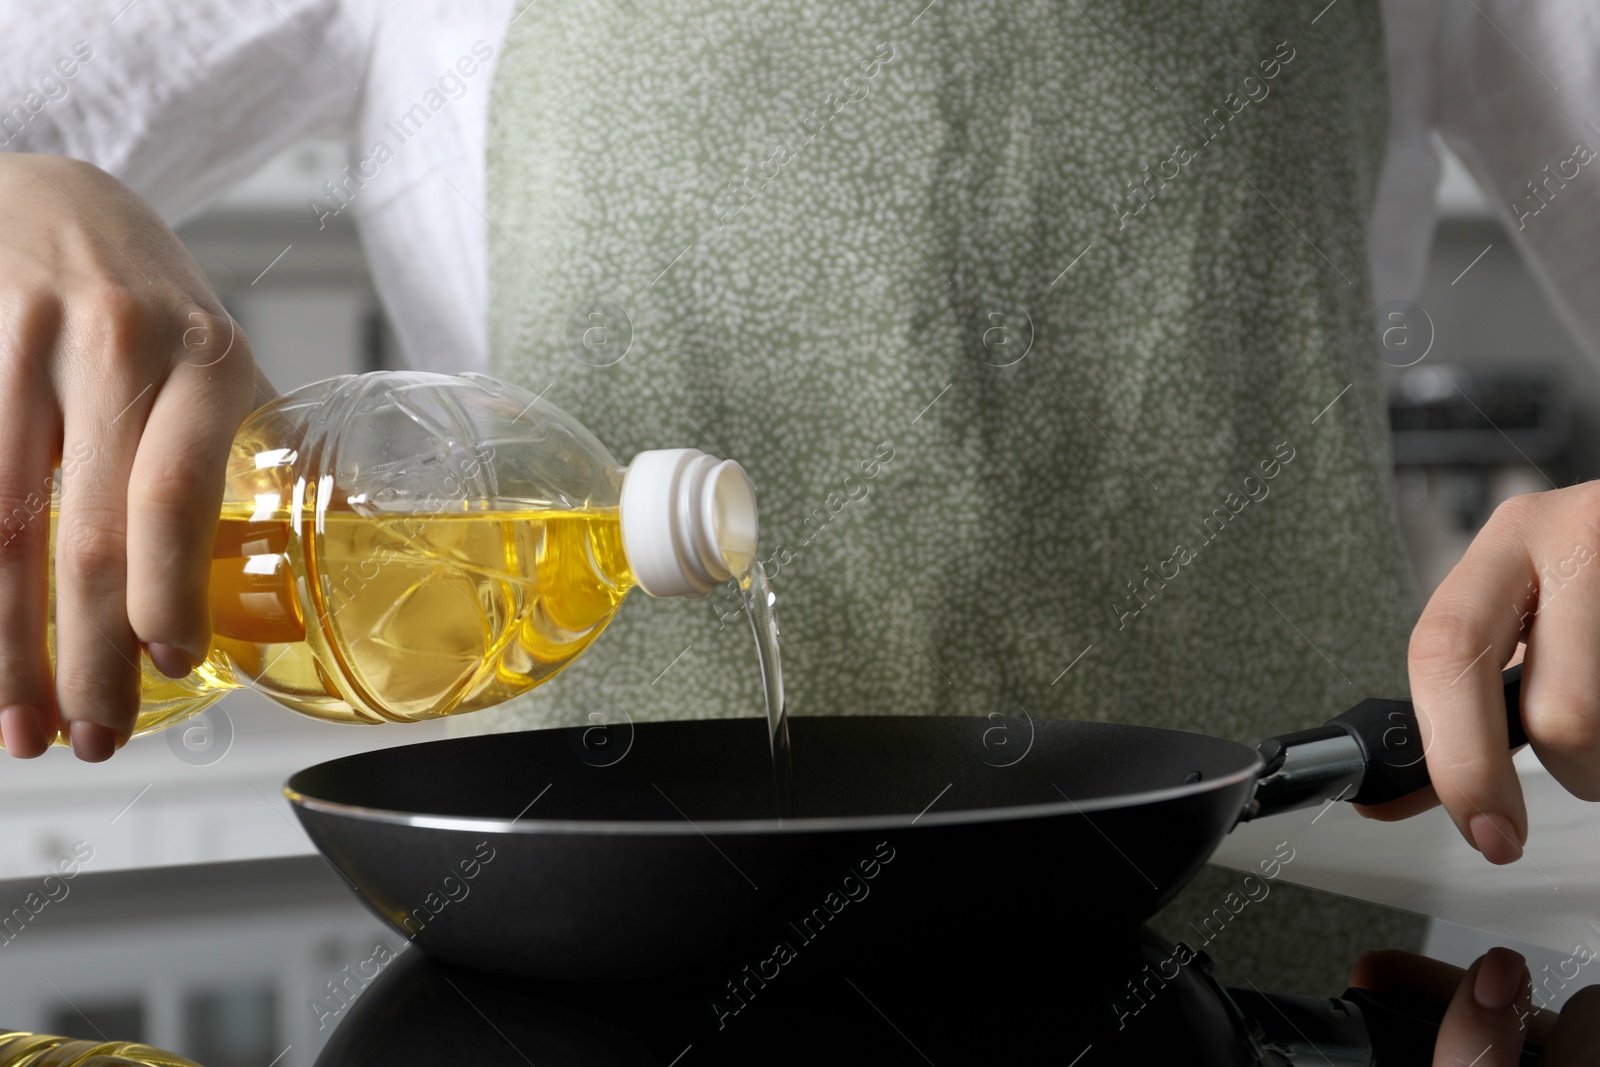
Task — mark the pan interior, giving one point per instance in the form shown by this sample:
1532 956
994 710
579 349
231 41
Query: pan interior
719 770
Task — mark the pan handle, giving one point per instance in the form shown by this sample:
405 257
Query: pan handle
1391 741
1358 1028
1368 755
1404 1029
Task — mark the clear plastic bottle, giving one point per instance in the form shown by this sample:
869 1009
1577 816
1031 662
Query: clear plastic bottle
22 1049
400 546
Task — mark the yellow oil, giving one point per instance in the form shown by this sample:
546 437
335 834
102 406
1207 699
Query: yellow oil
395 618
22 1049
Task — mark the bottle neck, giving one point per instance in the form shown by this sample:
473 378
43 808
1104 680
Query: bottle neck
689 521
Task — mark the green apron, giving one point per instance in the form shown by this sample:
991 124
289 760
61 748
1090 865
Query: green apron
1042 328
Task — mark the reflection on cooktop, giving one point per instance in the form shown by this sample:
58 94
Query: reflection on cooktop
420 1012
1147 1001
275 962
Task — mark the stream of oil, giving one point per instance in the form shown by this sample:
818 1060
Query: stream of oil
760 604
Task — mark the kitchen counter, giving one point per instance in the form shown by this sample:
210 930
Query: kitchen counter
266 962
1550 898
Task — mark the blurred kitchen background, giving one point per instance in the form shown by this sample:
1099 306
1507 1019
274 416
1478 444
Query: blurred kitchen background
1497 399
1490 394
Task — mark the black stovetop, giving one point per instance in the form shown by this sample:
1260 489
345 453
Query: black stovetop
274 962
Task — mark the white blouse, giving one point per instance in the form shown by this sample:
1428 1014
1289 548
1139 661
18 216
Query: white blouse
183 100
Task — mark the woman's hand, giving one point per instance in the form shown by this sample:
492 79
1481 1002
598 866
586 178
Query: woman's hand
117 362
1488 1009
1531 575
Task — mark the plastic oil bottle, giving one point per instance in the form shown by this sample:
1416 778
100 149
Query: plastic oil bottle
22 1049
400 546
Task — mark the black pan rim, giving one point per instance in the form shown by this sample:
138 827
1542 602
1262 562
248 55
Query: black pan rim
764 826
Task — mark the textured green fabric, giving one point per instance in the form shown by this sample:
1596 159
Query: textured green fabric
820 229
928 183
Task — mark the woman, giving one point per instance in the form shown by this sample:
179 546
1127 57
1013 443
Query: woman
1045 332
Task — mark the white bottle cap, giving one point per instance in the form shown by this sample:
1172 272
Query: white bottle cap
688 521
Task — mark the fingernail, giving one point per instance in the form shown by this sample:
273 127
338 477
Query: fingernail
22 731
1500 976
92 742
170 660
1496 837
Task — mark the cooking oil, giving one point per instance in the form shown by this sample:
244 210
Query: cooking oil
368 618
760 605
22 1049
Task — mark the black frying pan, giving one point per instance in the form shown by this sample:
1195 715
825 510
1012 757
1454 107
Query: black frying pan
580 854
